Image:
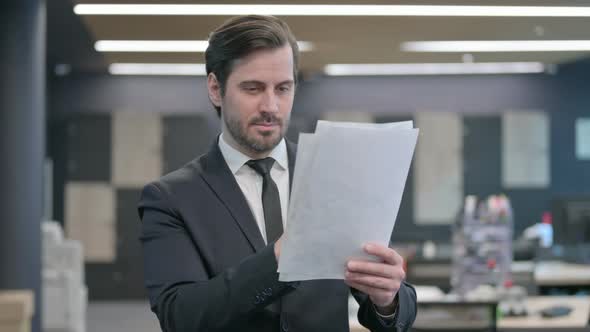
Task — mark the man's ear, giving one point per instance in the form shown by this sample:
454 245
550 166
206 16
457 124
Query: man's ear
214 89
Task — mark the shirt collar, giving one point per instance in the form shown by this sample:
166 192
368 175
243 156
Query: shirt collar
236 159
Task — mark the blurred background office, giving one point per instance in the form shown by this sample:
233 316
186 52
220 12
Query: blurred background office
98 100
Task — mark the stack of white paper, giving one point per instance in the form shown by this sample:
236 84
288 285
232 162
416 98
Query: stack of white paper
347 187
65 296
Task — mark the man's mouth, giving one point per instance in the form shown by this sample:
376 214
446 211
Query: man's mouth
266 124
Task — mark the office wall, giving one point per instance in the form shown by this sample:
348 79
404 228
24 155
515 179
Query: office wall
89 102
83 147
570 176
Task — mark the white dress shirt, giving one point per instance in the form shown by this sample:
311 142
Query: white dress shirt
251 182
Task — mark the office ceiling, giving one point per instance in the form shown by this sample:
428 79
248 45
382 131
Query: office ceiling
336 39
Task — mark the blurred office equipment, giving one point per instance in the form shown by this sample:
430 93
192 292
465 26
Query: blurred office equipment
436 271
426 269
564 268
16 310
572 222
541 232
65 296
482 245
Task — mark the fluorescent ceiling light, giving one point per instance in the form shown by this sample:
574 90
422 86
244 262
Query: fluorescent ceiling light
151 45
330 10
165 46
305 46
185 69
497 46
434 68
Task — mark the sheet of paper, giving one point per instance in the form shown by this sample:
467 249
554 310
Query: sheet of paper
322 124
348 184
306 151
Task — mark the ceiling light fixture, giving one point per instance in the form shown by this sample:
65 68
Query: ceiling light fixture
434 68
331 10
497 46
184 69
165 46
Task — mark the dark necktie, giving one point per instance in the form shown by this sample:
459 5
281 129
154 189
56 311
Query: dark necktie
271 203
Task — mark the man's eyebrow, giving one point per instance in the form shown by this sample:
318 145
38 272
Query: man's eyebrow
255 82
251 82
287 82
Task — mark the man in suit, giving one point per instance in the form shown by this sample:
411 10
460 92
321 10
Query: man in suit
211 230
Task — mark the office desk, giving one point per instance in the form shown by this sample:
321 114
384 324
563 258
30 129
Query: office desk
576 320
437 272
556 273
448 315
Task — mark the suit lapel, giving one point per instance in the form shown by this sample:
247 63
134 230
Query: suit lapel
219 177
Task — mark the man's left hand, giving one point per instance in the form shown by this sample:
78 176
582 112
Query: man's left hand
380 280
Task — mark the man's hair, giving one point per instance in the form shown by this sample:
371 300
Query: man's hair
239 37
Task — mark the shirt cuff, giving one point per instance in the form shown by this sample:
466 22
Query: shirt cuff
385 317
391 317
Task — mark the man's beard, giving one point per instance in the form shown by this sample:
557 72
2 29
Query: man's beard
256 144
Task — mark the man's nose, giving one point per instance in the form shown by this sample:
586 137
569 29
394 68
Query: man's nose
270 102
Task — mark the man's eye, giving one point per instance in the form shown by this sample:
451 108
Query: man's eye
251 88
284 88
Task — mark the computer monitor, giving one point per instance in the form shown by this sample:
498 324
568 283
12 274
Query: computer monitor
571 220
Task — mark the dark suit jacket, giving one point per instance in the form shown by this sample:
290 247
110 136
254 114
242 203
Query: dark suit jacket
207 267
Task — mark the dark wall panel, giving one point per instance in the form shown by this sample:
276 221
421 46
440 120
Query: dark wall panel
105 93
481 155
80 147
465 93
123 278
57 150
187 137
569 175
89 148
528 206
129 254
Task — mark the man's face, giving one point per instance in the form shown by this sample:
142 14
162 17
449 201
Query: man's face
258 100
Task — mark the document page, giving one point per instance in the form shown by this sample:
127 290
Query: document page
347 187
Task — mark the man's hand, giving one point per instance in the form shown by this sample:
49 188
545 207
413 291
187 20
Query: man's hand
379 280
